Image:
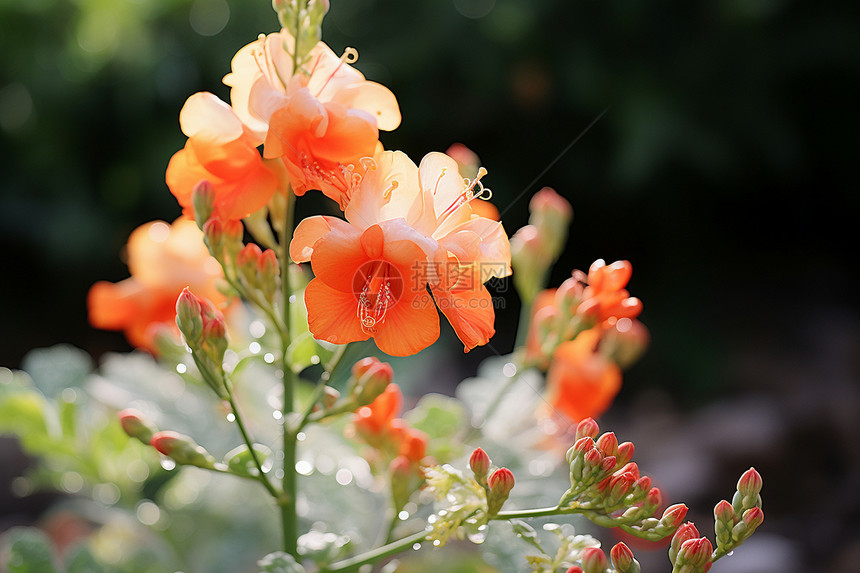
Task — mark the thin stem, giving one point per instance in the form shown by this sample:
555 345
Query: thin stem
288 500
523 324
262 477
376 554
541 512
320 387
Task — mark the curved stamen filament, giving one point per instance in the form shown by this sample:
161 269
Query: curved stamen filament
350 56
375 299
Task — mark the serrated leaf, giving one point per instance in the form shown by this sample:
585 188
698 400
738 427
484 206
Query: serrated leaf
30 551
279 562
240 460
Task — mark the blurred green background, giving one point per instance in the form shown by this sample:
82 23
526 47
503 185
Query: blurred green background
724 168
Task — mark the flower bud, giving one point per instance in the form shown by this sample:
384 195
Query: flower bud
136 425
370 378
750 483
213 236
574 569
329 397
753 518
587 427
674 515
593 560
188 319
608 444
579 448
203 202
479 462
626 341
625 452
182 449
622 559
695 554
723 511
247 262
642 486
619 485
684 533
551 214
653 498
530 259
631 467
499 484
233 233
267 267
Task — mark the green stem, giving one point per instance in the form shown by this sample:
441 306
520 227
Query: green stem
288 500
375 555
262 476
320 387
524 324
526 513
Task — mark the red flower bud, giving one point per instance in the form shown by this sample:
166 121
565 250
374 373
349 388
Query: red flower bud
625 452
684 533
608 444
181 449
622 558
135 424
501 482
213 236
695 552
654 497
723 512
750 483
574 569
643 484
593 560
479 461
753 518
631 467
607 464
370 379
674 515
587 427
188 319
593 458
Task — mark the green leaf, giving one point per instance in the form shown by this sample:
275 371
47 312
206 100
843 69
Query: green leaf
305 351
279 562
24 415
443 419
30 551
240 461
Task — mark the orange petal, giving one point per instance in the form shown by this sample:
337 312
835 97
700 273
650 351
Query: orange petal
308 232
332 314
410 326
470 312
337 256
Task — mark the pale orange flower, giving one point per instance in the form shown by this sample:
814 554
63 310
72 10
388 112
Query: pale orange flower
581 382
162 260
223 152
461 250
604 296
322 121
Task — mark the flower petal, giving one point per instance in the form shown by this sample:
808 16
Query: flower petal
332 314
337 256
470 312
411 325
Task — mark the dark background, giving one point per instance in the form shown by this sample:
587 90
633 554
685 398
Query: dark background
724 168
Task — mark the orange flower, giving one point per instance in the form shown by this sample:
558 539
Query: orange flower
321 121
369 282
223 152
605 295
162 259
581 382
460 250
375 419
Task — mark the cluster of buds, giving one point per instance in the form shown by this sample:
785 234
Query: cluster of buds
205 333
733 524
608 489
308 15
497 483
535 247
395 445
584 301
253 270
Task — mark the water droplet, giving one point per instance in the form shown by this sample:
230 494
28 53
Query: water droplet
257 328
255 347
277 415
292 298
268 357
431 519
231 417
300 437
168 464
181 368
416 546
730 553
509 370
304 467
403 515
315 359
